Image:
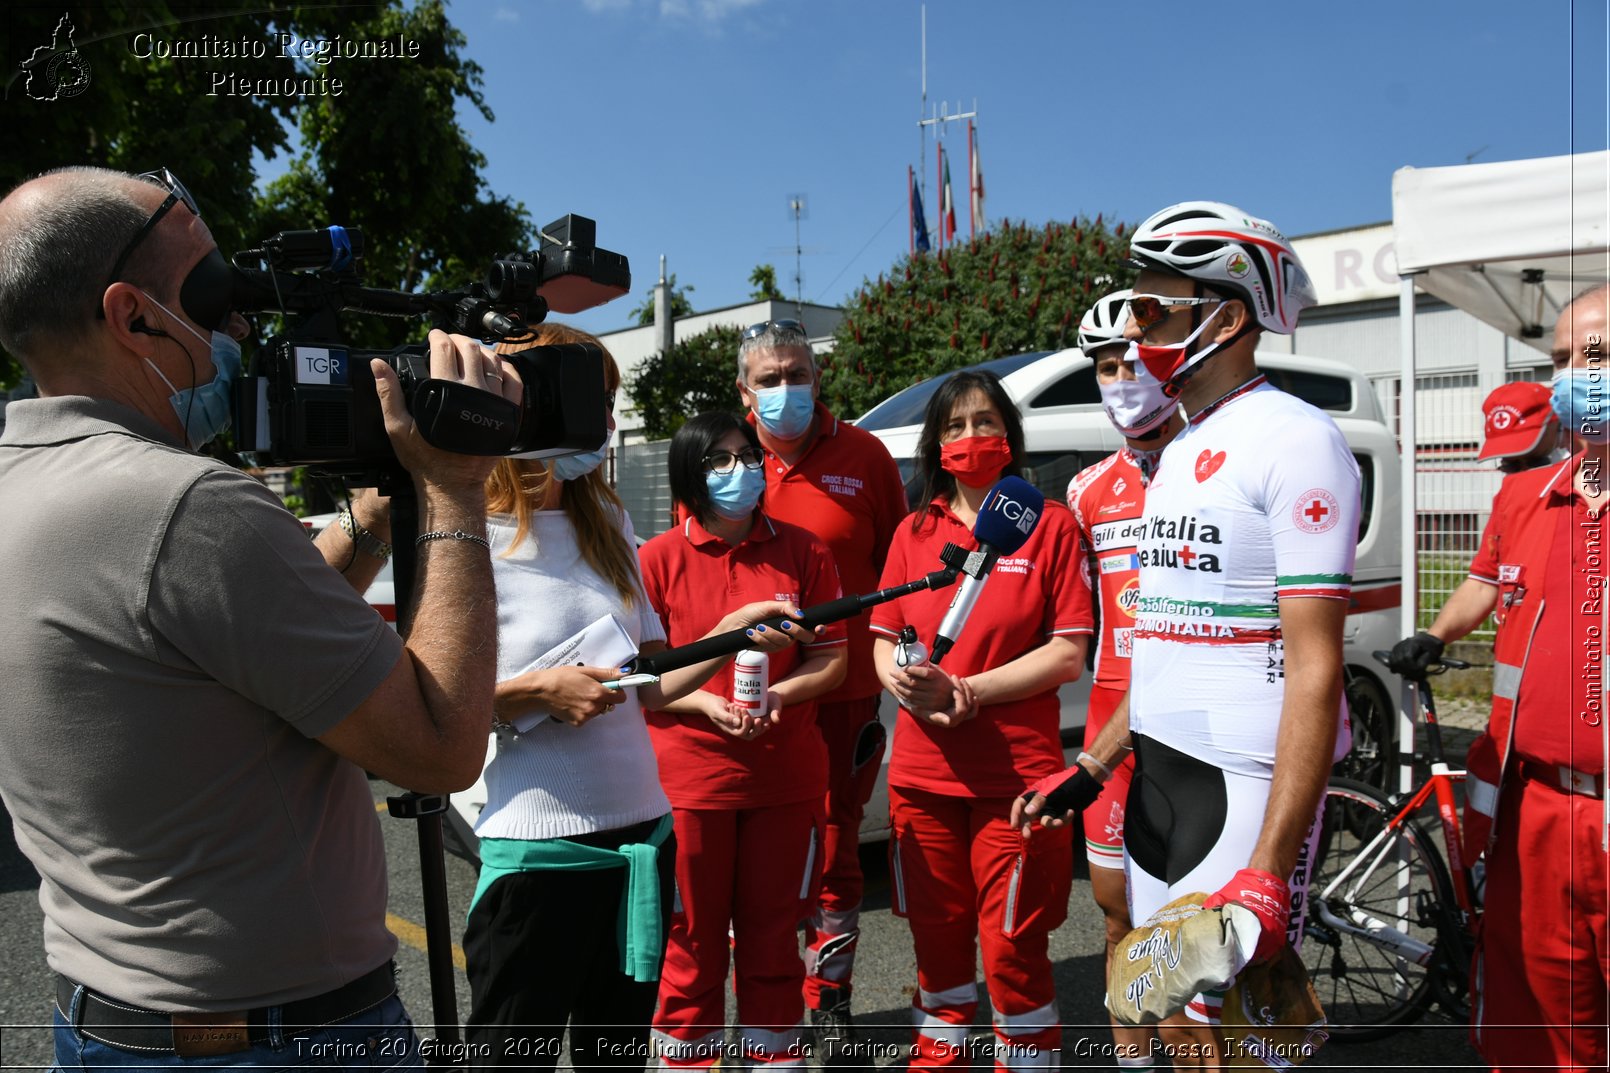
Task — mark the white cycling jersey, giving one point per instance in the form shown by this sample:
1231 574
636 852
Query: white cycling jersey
1256 501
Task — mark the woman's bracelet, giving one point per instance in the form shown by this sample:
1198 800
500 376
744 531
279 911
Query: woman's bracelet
1106 772
457 534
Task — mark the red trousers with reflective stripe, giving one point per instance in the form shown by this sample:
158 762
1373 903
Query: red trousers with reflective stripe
755 869
969 883
831 935
1542 979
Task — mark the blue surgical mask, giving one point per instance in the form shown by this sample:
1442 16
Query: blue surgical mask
785 411
1581 400
574 467
205 411
734 495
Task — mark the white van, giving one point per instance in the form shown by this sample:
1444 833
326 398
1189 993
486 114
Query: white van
1066 430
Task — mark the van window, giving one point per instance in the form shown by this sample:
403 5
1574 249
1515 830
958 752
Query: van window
1077 388
1316 389
908 407
1366 493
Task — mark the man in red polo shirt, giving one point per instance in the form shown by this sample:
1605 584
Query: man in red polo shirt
1523 433
840 483
1535 797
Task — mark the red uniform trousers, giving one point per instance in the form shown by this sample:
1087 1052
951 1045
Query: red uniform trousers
855 745
1104 819
755 870
966 879
1549 979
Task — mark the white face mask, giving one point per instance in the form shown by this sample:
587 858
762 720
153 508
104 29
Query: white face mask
1137 406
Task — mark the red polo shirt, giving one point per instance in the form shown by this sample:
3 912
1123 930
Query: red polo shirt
1560 705
847 490
692 579
1035 594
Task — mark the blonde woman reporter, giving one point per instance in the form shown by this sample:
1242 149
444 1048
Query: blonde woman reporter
568 922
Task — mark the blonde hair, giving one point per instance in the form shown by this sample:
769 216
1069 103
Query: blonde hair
518 486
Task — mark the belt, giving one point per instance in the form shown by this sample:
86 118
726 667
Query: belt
1560 777
189 1035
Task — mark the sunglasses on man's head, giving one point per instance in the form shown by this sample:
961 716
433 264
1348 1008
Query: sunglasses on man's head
755 331
176 193
1150 310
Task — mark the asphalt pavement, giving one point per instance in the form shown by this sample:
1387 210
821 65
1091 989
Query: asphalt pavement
885 976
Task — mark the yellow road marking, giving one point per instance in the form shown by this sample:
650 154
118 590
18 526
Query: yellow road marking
408 932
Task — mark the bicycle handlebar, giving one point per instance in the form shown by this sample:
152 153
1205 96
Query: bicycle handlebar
1441 666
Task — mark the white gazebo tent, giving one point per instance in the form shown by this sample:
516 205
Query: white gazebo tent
1510 243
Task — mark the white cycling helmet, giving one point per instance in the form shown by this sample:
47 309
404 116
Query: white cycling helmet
1228 251
1103 323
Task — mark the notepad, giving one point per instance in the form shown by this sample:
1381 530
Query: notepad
604 643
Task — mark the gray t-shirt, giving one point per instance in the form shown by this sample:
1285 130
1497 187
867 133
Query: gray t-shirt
171 644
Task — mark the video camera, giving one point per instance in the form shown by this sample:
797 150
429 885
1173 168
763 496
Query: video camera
310 399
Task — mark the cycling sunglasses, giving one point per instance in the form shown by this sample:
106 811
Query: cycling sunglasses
1150 310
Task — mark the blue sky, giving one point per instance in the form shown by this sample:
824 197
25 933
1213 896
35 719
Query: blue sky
684 126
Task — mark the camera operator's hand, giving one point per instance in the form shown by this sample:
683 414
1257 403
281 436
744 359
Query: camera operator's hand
572 695
464 361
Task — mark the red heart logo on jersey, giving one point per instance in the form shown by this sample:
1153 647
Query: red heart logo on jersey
1207 464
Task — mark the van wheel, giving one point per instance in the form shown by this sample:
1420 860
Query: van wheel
1373 757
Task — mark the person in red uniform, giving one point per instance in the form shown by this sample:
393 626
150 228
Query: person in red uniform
745 790
964 877
1535 800
1107 501
839 482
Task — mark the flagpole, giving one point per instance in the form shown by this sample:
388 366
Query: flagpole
939 187
911 223
972 169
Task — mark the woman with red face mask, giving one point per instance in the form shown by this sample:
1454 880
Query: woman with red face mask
966 880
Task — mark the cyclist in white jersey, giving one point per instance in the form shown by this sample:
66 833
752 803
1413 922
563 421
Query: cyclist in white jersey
1246 563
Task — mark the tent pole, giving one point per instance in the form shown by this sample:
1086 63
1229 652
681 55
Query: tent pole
1408 705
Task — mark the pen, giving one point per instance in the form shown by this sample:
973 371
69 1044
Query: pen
632 680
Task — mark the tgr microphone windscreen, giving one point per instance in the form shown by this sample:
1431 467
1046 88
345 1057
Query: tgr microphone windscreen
1010 512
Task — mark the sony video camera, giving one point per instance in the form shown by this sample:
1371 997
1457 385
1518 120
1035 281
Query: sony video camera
310 399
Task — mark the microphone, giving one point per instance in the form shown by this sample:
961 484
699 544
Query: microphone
1011 510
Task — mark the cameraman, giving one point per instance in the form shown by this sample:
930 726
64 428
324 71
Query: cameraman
193 693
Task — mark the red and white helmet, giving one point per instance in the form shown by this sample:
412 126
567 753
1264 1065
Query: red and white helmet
1103 323
1228 251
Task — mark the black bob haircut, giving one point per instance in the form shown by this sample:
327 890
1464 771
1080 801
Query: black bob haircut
935 480
696 438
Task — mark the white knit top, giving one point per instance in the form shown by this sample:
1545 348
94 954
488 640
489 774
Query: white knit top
557 780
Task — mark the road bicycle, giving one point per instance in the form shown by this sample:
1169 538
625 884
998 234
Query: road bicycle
1390 920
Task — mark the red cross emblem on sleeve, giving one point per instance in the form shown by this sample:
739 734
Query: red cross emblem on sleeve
1315 511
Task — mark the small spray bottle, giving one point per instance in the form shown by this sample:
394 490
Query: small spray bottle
749 682
908 651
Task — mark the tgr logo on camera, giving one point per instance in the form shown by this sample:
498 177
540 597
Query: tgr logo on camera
317 365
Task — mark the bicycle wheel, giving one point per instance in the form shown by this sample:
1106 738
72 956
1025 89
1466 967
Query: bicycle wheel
1376 904
1373 758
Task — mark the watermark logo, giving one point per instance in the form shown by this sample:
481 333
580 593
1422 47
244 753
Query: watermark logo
58 70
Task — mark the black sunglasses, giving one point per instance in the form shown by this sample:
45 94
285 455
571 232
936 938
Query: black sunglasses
755 331
176 193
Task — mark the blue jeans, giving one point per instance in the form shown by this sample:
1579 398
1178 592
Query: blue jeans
381 1038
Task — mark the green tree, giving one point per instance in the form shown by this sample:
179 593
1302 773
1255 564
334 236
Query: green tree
681 305
764 281
699 373
386 155
1014 289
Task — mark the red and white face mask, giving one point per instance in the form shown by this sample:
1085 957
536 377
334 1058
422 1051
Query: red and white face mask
1137 406
1168 363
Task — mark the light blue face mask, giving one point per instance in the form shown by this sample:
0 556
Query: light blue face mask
204 411
785 411
734 495
574 467
1581 400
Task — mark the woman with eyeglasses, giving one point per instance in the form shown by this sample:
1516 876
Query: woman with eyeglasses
568 921
965 879
746 789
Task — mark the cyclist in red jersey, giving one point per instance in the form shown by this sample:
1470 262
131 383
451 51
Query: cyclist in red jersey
1107 501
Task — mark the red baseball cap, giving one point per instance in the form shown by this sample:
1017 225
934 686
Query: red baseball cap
1517 417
